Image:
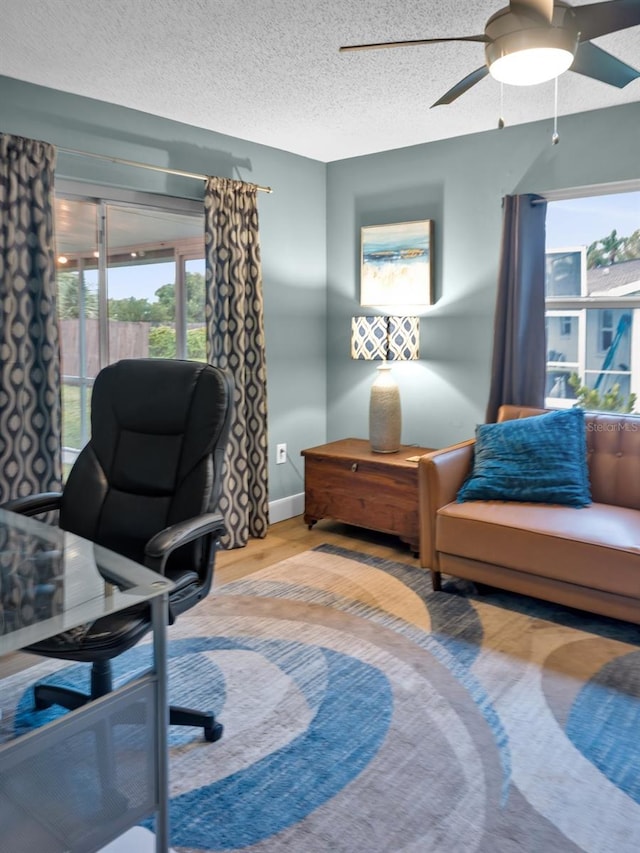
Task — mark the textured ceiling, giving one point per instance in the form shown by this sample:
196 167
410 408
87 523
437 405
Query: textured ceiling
269 70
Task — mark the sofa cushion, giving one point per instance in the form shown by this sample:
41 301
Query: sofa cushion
554 542
540 459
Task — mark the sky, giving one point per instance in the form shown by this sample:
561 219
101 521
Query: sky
143 280
581 221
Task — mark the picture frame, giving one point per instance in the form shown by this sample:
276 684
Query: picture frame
396 263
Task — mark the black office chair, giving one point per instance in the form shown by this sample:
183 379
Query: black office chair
146 486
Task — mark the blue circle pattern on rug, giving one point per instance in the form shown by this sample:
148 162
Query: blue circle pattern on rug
605 720
352 703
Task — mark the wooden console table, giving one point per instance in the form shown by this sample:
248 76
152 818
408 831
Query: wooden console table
345 480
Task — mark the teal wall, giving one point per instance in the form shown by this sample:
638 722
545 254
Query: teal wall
459 184
292 226
310 236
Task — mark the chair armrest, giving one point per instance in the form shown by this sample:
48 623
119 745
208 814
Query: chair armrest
440 474
159 548
34 504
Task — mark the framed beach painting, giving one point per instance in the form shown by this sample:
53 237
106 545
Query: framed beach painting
396 264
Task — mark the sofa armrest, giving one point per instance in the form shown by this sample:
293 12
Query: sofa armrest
440 474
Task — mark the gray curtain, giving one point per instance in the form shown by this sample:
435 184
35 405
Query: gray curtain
30 409
235 341
519 345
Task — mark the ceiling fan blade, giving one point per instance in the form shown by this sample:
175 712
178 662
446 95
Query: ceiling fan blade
410 43
461 87
594 62
543 8
598 19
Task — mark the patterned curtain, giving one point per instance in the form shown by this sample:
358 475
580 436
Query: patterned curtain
235 341
30 409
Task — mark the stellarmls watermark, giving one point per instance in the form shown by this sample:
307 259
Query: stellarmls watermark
614 426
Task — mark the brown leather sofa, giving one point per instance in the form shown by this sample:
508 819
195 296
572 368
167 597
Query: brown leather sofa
588 558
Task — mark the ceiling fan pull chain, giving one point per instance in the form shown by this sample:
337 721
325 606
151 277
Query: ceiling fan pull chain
500 118
556 136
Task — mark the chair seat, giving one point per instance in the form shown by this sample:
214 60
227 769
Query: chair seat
182 579
103 639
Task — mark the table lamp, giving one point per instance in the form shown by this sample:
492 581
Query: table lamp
385 339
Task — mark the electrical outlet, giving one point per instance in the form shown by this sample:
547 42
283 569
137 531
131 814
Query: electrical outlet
281 453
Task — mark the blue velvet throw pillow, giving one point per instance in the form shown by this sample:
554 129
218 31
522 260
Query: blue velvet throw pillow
542 459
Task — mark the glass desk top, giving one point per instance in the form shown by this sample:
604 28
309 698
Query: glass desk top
52 581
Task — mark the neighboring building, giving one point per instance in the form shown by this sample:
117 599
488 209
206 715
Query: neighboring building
593 325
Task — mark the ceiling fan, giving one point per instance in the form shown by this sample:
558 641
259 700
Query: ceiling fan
531 41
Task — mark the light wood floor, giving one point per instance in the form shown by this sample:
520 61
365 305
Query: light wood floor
283 540
287 538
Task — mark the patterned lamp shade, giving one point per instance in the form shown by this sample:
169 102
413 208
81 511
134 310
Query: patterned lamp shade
404 338
369 338
385 339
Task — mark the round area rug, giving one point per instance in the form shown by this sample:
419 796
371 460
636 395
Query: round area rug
363 712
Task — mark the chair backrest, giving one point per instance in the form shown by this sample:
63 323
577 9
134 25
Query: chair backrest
159 430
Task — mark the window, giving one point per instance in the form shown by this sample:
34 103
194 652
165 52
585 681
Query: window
593 302
565 272
131 284
605 319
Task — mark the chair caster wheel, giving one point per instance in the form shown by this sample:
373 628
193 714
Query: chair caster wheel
41 701
213 733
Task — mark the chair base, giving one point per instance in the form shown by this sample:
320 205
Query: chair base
187 717
46 695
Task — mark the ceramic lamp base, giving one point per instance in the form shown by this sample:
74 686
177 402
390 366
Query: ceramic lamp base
385 417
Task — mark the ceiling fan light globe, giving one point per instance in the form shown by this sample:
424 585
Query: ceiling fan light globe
531 66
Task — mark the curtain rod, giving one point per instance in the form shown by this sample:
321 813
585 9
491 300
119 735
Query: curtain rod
196 176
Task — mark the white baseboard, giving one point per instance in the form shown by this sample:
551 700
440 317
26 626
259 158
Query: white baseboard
285 508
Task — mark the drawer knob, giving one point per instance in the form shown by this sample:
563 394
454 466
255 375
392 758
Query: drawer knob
354 467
